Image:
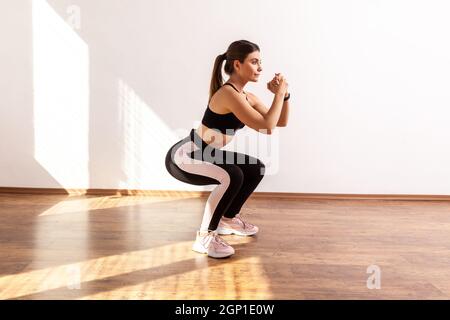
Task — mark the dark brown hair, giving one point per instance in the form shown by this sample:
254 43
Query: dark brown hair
238 50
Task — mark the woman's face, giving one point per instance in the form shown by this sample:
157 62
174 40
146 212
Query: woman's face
251 68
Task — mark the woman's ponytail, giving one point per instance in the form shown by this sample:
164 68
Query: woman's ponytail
217 79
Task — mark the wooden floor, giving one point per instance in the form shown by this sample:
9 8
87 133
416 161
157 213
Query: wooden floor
134 247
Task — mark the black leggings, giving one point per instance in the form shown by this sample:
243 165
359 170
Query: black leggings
237 175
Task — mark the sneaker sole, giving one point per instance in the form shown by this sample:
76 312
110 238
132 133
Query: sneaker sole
223 231
200 249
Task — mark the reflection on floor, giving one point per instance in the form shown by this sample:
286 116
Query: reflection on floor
135 247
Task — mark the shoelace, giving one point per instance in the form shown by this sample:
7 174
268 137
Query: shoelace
213 236
221 241
244 223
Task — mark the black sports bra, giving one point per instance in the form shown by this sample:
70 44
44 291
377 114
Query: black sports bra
222 122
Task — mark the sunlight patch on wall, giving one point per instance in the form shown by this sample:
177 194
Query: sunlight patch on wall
147 139
61 98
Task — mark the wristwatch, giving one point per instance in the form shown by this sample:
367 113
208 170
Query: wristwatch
287 97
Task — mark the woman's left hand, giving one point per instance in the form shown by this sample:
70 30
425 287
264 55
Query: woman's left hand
271 85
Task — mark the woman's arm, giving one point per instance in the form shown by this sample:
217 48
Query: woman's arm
248 115
259 106
282 122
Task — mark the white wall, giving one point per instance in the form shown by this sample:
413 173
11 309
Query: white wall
96 102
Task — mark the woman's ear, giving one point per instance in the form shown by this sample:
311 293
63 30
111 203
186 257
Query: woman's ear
237 65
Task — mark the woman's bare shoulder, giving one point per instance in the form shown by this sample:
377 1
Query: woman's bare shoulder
221 99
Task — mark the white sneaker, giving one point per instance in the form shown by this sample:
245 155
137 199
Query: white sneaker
212 244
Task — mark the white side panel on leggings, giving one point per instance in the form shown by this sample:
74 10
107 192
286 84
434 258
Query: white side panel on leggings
204 168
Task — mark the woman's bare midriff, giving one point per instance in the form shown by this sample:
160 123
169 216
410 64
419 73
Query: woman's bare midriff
213 137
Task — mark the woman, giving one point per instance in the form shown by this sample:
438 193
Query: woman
198 159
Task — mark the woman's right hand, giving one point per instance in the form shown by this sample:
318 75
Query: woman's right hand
278 84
